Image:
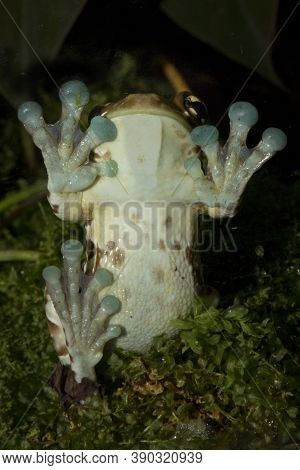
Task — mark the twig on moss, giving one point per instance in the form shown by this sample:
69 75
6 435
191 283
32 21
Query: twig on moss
17 197
173 75
19 255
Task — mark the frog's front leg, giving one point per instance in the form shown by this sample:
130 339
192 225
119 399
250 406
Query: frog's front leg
77 321
64 146
230 167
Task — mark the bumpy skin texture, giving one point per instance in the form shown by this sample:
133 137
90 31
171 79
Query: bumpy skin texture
134 177
155 281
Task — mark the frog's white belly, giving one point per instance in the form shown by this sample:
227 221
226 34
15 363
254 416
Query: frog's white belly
154 288
150 260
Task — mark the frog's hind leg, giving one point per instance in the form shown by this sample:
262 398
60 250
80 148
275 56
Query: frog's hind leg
78 322
56 331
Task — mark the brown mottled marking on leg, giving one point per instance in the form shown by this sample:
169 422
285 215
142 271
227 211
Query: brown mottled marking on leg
55 208
90 258
54 331
176 246
118 257
63 351
90 249
106 156
87 211
168 221
193 151
53 328
111 245
99 255
188 149
184 148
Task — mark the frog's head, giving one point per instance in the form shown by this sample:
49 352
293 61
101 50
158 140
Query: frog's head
153 141
139 103
184 106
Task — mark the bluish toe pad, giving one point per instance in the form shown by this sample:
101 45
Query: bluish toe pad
72 249
104 277
204 135
51 274
102 129
243 113
74 93
110 304
275 138
30 114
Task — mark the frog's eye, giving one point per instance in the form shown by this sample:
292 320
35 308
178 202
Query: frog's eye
192 107
196 108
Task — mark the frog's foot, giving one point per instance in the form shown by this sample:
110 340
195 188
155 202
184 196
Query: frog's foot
230 167
80 319
64 146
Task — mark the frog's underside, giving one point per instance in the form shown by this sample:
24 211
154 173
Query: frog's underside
136 178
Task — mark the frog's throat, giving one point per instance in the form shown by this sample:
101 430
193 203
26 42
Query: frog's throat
164 113
145 103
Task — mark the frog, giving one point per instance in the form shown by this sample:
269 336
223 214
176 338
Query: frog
137 178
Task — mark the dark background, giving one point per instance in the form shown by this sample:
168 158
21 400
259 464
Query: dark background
107 29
